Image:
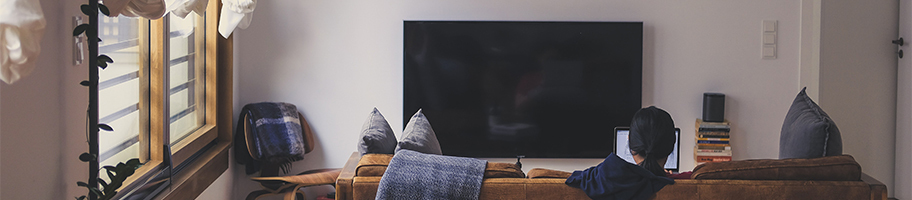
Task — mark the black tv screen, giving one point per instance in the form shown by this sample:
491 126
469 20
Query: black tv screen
500 89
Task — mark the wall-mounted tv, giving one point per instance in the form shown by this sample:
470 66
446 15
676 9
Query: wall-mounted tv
500 89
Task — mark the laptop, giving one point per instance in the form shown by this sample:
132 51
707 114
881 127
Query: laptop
622 149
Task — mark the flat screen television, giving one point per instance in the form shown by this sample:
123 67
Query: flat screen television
501 89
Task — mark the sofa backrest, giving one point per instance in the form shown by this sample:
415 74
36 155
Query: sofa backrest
375 165
830 168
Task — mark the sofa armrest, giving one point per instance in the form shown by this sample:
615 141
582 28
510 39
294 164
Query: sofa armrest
346 177
878 189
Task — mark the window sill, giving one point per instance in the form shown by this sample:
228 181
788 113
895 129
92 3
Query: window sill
193 180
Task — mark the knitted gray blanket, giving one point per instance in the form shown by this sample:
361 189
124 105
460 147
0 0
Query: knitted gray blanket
414 175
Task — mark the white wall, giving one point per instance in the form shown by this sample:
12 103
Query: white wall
30 140
337 59
221 188
43 118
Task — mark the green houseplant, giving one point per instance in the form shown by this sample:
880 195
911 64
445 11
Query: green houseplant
116 174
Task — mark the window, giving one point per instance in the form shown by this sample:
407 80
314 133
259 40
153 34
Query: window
160 94
185 127
186 76
123 104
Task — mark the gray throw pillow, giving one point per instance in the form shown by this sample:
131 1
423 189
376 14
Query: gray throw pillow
808 132
419 136
376 135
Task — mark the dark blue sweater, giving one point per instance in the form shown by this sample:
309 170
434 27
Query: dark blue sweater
615 178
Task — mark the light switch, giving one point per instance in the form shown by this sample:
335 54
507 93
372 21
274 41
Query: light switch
769 34
769 39
769 51
769 25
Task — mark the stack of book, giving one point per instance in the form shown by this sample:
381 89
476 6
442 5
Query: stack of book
713 142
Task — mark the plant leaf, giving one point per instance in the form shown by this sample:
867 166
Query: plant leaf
96 191
104 10
110 195
105 127
115 185
83 184
111 175
86 157
129 172
105 58
84 83
134 164
81 197
102 64
80 29
86 9
103 183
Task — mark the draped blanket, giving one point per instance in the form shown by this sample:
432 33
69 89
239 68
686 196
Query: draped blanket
414 175
275 134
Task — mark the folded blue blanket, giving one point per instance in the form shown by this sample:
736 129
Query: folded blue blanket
414 175
275 129
616 178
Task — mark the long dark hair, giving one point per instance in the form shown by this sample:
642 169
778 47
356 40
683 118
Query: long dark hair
652 137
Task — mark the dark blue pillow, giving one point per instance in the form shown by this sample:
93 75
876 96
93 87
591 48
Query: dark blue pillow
376 135
808 132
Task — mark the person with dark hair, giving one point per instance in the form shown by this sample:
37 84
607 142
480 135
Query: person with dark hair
651 140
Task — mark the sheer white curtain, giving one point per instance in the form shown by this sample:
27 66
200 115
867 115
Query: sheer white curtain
182 8
22 25
21 28
235 13
151 9
154 9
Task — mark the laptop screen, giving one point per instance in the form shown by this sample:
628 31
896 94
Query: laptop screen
622 149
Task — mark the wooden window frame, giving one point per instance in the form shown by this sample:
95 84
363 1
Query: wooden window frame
206 133
205 151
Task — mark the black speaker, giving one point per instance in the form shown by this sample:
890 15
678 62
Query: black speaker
713 107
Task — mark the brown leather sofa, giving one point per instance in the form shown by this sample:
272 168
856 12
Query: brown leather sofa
837 177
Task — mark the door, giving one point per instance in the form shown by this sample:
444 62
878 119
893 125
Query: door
903 167
858 81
